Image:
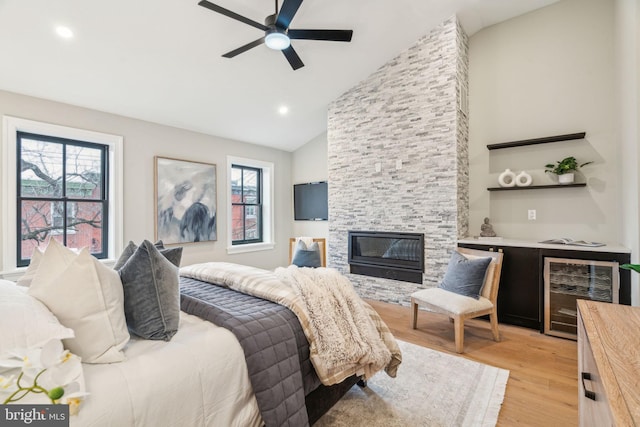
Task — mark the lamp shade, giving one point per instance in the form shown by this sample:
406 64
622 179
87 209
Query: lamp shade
277 41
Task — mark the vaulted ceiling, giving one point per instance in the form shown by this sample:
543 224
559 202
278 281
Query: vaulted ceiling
161 61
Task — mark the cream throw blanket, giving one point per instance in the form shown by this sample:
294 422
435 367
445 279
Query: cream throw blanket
346 336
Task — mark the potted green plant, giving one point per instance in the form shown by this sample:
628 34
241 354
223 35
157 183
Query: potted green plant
565 169
634 267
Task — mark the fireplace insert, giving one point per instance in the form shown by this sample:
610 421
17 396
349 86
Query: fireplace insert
389 255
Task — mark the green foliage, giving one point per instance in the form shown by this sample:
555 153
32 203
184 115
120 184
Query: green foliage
634 267
566 165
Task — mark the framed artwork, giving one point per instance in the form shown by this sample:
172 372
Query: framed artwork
185 196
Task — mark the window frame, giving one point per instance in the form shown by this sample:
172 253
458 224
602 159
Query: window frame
267 199
64 198
8 160
257 206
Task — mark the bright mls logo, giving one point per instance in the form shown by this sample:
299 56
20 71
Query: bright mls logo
34 415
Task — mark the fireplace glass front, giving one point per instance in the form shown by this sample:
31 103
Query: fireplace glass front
398 256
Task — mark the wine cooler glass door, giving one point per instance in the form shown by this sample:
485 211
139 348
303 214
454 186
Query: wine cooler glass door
566 281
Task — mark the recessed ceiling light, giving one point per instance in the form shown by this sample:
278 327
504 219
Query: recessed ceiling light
64 32
283 110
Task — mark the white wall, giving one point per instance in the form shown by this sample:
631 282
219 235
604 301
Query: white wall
627 15
309 164
143 141
545 73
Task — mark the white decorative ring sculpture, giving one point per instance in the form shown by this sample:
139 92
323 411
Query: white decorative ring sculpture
507 179
523 179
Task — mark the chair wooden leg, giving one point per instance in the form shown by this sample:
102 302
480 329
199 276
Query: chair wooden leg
415 314
458 326
494 326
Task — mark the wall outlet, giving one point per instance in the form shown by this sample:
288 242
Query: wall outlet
531 214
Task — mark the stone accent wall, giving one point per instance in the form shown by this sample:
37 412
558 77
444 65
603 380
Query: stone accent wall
398 157
462 130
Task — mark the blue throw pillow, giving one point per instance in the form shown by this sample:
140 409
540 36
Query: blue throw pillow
307 257
151 290
465 276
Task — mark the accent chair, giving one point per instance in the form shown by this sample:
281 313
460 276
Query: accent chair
459 307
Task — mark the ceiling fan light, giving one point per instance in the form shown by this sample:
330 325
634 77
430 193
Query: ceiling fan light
277 41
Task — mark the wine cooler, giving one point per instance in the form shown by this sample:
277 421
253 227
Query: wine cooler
568 280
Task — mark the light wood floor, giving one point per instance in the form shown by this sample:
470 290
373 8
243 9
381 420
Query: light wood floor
543 387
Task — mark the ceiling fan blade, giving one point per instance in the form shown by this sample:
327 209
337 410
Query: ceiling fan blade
293 58
244 48
233 15
287 11
329 35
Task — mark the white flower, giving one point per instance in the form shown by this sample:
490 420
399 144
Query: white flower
21 358
50 370
27 360
73 397
62 367
6 383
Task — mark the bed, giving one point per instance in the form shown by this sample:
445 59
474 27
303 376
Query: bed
170 383
275 352
245 353
307 337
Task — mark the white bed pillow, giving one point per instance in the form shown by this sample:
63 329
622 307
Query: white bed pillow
24 321
28 275
85 296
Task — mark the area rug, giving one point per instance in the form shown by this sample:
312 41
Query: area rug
432 389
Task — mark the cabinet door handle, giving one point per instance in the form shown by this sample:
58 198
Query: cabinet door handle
587 393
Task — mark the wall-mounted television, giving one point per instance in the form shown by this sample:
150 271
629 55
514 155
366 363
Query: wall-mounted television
310 201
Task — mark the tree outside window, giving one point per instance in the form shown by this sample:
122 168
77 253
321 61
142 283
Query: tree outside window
58 215
61 194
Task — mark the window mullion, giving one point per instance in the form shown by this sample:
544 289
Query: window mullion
244 222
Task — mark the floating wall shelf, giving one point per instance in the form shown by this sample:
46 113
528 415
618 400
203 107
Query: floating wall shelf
535 141
538 187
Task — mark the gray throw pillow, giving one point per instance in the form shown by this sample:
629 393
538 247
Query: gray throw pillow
465 276
130 249
151 291
307 256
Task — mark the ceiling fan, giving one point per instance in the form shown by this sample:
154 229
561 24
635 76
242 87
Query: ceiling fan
277 34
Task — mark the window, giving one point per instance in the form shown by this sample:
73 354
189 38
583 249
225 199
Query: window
246 201
61 187
249 190
59 182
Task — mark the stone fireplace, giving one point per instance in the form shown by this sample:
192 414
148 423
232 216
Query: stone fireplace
398 158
